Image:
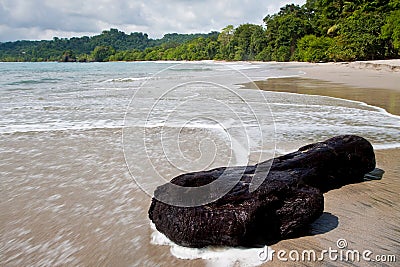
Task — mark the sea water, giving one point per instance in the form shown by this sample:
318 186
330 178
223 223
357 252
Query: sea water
55 96
83 146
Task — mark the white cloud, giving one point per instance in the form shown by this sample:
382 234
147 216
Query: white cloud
44 19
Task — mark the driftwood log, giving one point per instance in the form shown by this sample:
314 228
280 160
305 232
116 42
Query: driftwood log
287 201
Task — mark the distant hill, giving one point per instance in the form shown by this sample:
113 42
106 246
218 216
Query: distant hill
53 50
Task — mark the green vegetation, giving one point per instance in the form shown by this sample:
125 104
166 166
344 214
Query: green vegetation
320 30
101 47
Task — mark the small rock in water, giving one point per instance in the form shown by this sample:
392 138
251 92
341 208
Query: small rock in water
288 199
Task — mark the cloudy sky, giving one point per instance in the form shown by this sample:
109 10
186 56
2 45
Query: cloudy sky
44 19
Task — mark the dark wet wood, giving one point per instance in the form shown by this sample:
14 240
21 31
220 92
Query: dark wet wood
287 201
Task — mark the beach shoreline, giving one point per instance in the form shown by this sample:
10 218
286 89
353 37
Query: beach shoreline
382 74
68 197
375 83
370 207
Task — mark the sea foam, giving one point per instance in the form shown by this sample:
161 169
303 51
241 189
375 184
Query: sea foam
214 256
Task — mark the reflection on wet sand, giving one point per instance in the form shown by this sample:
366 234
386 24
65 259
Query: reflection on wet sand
384 98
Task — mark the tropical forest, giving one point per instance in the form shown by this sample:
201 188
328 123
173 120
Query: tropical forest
318 31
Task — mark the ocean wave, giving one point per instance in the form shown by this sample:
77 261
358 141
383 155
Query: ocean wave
223 126
298 116
360 103
35 81
187 69
239 65
36 128
127 80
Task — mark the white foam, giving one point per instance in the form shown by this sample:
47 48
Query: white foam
169 61
28 128
129 79
192 124
386 146
215 256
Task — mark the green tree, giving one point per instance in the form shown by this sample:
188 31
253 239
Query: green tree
324 14
249 40
212 49
391 33
102 53
85 58
68 56
284 29
225 40
313 49
226 35
258 41
361 33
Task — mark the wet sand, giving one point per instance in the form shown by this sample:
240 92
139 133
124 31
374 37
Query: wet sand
362 74
376 83
387 99
76 204
67 199
366 215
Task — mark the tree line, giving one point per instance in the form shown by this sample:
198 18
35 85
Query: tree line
320 30
95 48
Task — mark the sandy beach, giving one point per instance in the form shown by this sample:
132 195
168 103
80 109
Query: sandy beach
68 199
366 215
362 74
374 83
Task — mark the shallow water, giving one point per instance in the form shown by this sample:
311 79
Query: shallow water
75 138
